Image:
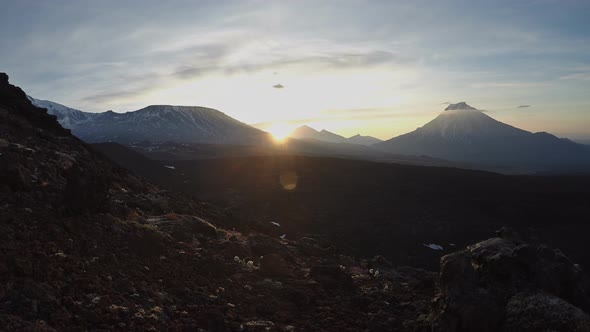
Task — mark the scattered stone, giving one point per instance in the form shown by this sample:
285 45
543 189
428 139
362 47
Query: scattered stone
258 325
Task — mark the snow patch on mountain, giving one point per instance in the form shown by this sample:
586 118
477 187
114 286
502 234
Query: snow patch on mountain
459 106
66 116
155 123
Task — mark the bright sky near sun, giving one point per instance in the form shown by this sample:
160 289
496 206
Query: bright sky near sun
378 68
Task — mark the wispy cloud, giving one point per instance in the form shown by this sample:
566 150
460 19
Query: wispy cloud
583 76
510 85
113 96
274 57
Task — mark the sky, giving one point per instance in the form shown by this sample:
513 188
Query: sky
380 68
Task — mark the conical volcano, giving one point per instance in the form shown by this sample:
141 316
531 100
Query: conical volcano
463 133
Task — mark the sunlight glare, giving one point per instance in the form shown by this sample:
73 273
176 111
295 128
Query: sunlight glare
280 131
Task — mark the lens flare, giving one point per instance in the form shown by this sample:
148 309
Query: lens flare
288 180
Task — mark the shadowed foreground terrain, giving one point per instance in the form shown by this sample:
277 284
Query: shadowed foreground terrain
370 208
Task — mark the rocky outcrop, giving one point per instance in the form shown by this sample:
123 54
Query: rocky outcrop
505 284
543 312
13 100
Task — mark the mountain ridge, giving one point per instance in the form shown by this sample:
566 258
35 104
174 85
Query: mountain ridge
185 124
363 140
306 132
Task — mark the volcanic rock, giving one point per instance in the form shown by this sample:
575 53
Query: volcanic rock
479 285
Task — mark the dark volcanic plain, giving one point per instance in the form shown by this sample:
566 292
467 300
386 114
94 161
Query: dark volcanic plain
371 208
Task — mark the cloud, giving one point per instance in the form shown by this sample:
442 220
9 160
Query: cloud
523 106
252 58
585 76
278 86
358 111
189 72
110 96
511 85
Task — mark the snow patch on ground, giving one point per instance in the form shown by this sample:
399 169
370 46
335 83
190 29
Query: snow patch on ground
433 246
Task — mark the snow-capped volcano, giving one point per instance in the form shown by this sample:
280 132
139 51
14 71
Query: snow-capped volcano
463 133
156 123
460 121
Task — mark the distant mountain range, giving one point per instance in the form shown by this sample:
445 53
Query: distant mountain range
308 133
465 134
363 140
461 134
156 123
189 132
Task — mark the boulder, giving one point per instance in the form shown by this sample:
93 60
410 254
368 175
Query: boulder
478 283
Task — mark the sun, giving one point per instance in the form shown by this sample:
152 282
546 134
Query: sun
280 131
